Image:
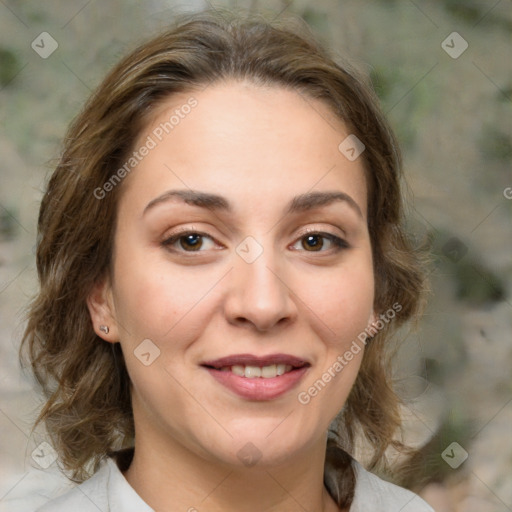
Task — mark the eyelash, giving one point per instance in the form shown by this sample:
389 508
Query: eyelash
338 243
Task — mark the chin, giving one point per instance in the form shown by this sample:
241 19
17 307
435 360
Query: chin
262 447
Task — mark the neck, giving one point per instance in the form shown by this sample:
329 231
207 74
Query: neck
168 476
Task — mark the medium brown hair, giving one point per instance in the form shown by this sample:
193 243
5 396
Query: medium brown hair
88 411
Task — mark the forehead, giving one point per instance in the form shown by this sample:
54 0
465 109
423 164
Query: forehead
246 141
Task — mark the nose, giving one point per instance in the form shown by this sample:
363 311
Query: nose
259 295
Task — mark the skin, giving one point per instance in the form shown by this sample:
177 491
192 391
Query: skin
258 147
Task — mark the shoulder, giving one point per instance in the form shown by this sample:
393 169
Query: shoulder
106 491
374 494
90 496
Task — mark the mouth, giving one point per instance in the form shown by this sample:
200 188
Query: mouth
258 378
251 367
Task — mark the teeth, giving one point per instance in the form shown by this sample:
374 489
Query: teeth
280 368
238 370
252 371
265 372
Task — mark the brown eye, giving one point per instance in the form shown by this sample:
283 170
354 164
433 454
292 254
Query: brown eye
192 241
322 242
189 241
312 242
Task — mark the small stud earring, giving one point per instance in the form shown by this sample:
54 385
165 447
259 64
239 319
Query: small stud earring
104 328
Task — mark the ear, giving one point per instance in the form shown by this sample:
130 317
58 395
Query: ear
102 311
373 318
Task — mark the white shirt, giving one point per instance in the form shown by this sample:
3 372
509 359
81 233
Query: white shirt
108 491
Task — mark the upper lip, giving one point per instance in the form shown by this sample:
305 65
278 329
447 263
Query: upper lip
252 360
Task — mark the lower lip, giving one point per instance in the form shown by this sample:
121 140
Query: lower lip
259 388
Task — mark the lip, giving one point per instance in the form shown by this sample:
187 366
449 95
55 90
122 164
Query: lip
251 360
257 389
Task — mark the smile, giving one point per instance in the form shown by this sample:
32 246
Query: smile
258 378
252 372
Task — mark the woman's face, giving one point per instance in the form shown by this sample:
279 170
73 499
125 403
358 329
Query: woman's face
241 252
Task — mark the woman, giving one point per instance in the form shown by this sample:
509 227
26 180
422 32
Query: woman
222 263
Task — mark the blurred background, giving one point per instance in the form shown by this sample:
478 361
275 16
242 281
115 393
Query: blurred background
443 72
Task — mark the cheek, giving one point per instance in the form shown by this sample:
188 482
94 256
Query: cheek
342 300
154 298
343 303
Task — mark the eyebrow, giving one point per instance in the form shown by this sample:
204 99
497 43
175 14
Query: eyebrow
300 203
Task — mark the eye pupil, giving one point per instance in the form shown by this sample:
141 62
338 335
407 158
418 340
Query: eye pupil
192 241
313 242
